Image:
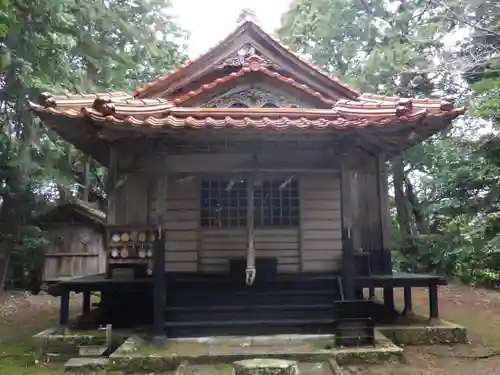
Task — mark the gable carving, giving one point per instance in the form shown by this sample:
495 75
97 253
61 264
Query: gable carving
252 97
238 58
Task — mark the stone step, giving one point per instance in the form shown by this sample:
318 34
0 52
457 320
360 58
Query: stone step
92 350
280 322
248 312
265 366
205 328
85 365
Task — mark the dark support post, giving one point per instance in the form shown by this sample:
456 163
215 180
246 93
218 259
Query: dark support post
358 293
346 208
160 288
64 312
86 302
371 293
408 310
433 302
389 297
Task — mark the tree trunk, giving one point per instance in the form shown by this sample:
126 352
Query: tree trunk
403 215
403 210
420 219
4 263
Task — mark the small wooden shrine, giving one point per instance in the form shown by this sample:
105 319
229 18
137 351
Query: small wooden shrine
75 232
247 193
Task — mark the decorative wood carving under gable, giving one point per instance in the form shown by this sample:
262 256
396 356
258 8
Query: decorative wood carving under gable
238 58
254 96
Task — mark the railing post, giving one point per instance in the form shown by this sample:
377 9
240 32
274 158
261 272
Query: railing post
159 287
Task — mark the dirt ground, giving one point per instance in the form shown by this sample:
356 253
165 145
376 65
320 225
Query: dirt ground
22 315
476 309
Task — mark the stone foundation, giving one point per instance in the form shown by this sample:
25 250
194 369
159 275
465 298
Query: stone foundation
65 345
441 332
384 351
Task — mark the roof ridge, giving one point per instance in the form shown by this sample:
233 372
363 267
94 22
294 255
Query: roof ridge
248 24
250 66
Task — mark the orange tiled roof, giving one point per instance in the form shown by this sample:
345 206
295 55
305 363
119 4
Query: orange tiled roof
154 85
375 111
252 64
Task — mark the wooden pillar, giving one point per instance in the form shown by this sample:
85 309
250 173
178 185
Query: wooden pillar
346 194
389 297
385 219
86 302
159 287
250 272
408 310
371 293
433 302
111 181
64 312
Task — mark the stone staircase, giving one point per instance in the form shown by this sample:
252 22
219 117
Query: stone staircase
91 357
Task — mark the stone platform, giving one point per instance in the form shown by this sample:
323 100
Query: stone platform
135 354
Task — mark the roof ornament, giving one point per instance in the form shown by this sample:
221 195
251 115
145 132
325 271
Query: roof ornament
246 15
47 100
105 106
404 107
254 62
447 104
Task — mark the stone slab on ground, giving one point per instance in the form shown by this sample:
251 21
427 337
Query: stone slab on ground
438 332
384 351
64 345
84 365
305 368
137 355
265 366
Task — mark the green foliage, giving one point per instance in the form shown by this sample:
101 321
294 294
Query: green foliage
389 48
66 46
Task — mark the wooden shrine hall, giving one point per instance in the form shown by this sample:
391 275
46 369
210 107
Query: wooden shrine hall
247 193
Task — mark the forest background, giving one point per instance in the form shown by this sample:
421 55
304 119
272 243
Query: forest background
445 196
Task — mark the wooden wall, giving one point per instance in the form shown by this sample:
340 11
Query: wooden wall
315 245
218 245
320 232
73 258
372 224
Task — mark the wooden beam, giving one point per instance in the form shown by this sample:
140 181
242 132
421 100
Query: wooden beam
347 223
63 312
433 302
159 287
384 214
112 179
251 272
408 308
86 302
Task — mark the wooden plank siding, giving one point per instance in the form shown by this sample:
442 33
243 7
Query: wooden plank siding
320 224
315 245
219 245
73 257
180 206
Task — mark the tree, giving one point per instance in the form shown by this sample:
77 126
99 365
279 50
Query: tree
445 197
384 49
61 46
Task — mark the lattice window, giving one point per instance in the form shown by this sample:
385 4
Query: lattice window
223 204
276 203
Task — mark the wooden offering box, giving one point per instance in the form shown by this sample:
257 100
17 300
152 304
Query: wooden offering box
130 251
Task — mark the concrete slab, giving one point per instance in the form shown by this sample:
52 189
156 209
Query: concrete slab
384 351
137 354
307 368
435 332
85 365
